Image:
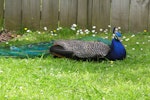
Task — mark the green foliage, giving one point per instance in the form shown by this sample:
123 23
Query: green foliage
65 79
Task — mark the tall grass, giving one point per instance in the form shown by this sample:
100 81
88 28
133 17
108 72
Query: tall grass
66 79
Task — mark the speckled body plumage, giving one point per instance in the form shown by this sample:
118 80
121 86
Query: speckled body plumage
84 49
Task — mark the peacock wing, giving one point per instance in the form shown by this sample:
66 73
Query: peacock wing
84 49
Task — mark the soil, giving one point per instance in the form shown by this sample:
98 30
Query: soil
6 35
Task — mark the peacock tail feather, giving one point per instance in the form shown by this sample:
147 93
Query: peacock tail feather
30 50
40 49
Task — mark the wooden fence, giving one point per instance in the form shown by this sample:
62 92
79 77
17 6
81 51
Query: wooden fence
130 15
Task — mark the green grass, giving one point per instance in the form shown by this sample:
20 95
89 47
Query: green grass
65 79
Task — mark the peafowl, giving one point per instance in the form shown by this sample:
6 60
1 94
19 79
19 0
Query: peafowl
84 48
99 49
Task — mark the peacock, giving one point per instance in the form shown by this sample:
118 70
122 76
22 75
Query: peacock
82 48
97 49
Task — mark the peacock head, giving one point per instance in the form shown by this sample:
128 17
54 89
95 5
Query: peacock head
117 36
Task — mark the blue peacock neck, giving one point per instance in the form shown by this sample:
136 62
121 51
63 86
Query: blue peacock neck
117 50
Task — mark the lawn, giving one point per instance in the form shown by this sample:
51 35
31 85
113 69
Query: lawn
48 78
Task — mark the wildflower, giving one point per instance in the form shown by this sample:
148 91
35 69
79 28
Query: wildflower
7 42
77 33
72 28
55 34
18 35
119 28
93 31
54 31
1 71
94 27
106 37
133 35
59 28
143 43
81 32
39 32
106 31
25 29
52 34
42 92
145 30
127 39
125 45
133 48
111 62
20 87
109 26
27 38
141 49
74 25
45 28
113 35
87 31
124 37
6 96
93 35
116 29
137 42
101 30
28 31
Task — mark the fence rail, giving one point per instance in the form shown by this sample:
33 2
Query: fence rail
130 15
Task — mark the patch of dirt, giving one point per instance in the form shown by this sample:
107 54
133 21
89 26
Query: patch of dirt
6 35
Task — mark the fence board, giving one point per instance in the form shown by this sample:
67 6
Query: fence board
31 14
120 14
95 13
132 15
49 14
13 14
89 20
101 13
1 12
82 13
139 15
68 12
